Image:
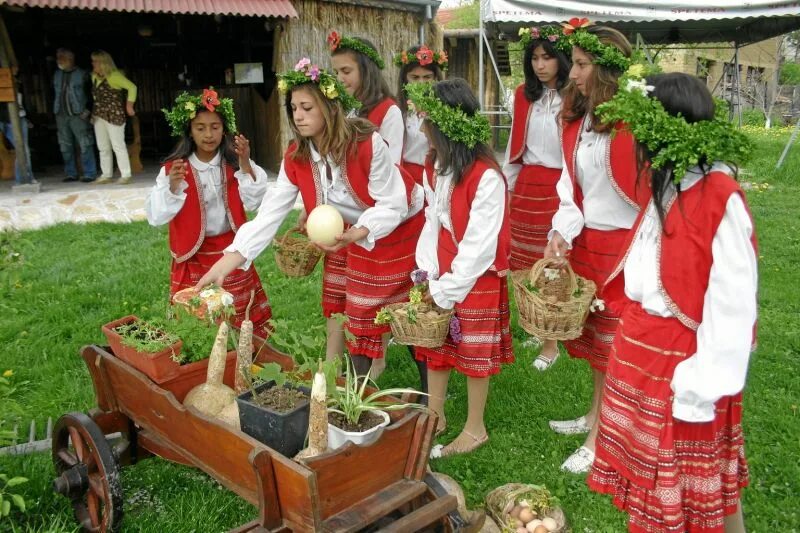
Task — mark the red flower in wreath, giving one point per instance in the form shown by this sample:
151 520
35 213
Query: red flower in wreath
424 56
210 99
333 40
574 24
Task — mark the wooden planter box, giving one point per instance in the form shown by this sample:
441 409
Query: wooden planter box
158 366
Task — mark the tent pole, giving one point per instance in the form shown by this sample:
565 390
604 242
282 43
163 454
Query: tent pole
641 45
789 144
480 55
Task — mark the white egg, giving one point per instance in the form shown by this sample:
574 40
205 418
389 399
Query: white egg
324 224
532 525
549 523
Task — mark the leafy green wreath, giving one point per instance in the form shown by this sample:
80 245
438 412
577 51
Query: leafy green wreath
304 72
453 122
670 138
424 57
549 33
336 41
607 55
187 105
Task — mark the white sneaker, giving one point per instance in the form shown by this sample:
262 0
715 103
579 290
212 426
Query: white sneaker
570 427
579 462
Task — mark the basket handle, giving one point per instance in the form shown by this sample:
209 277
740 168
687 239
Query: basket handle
287 233
542 264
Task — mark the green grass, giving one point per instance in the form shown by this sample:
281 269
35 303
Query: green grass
76 278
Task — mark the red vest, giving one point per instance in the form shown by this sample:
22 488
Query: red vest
461 198
355 175
685 247
378 112
519 126
620 164
188 229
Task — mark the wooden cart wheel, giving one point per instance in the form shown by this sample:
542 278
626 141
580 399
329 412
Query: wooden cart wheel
88 473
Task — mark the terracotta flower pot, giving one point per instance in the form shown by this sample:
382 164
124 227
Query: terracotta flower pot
158 366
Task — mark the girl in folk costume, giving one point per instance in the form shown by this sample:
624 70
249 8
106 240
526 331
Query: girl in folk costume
670 447
599 199
418 64
202 192
344 163
463 251
533 155
358 65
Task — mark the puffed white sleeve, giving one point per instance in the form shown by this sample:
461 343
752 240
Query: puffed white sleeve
387 188
252 190
393 131
725 336
568 220
254 236
478 247
510 170
428 244
162 204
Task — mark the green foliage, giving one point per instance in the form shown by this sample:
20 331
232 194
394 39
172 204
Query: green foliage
673 142
753 117
790 74
10 408
336 41
8 498
466 16
305 73
303 345
188 105
454 122
604 54
145 337
351 400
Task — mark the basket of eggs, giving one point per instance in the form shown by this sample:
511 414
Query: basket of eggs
416 323
553 302
524 508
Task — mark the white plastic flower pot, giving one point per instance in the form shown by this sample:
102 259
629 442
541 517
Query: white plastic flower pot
338 437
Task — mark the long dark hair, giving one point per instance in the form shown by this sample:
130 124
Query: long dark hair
454 156
680 94
603 82
402 97
533 87
374 88
186 146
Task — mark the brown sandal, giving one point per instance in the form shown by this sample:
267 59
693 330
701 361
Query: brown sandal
440 451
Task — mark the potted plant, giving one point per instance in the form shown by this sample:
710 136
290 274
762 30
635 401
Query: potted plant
358 417
145 346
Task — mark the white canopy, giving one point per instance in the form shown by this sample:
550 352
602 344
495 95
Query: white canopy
657 21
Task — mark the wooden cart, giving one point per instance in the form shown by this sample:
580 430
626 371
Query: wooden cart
349 489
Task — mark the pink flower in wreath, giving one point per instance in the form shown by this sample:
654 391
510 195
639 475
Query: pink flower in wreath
442 57
303 63
535 32
210 99
313 73
552 38
424 56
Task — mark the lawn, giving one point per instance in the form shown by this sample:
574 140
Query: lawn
75 278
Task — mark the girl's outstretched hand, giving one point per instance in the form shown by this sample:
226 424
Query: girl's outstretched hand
242 148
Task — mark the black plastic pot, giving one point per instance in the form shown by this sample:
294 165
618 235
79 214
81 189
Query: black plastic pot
283 432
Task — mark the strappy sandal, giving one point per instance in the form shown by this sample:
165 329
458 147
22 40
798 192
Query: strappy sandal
440 451
542 362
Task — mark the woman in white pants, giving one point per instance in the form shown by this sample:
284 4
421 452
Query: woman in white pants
109 115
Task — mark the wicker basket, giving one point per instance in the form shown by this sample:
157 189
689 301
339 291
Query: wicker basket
427 331
502 500
557 309
295 256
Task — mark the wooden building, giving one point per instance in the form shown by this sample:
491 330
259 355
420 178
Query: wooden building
166 47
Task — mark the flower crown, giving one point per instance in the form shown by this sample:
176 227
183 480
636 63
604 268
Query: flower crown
187 106
336 41
670 138
424 56
607 55
550 33
453 122
304 72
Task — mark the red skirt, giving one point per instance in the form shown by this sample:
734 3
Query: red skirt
484 317
667 474
359 283
534 201
239 283
593 256
414 169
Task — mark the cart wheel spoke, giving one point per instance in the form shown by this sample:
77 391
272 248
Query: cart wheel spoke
78 444
97 487
93 505
68 457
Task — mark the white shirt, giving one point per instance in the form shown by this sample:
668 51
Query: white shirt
386 187
162 204
476 251
603 207
392 130
543 142
719 366
416 146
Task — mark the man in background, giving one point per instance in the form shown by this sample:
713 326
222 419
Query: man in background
72 88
